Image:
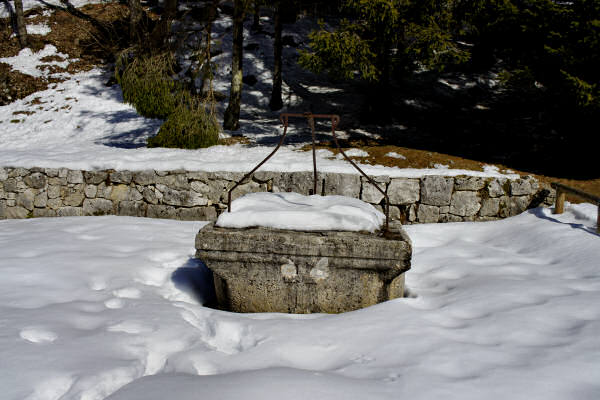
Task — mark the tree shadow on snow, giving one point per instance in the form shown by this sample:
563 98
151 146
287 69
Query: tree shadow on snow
195 279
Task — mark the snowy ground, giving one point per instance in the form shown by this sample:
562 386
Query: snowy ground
97 307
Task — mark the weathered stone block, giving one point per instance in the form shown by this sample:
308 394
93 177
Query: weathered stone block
2 208
403 191
53 191
472 183
250 187
428 214
121 177
119 193
436 190
16 212
74 176
464 203
518 204
43 212
26 199
37 180
90 191
69 212
489 207
370 194
3 174
299 182
161 211
98 207
132 208
147 177
197 214
339 184
55 204
18 172
41 200
496 187
51 172
95 177
72 196
521 187
268 270
10 185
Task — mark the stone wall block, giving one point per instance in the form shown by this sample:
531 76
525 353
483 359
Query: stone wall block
18 172
95 177
3 174
90 191
74 176
265 176
132 208
149 195
436 190
98 207
41 200
370 194
495 187
51 172
54 204
53 191
57 181
464 203
72 196
489 207
124 177
250 187
428 214
521 187
37 180
161 211
134 194
119 193
70 212
145 178
299 182
2 209
403 191
472 183
26 199
16 212
43 212
10 185
63 172
339 184
226 176
198 176
197 214
518 204
194 199
200 187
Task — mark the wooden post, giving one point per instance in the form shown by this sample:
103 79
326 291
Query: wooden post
559 206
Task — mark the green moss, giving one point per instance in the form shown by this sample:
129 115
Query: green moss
188 127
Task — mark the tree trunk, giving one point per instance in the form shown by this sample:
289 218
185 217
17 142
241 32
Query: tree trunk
231 119
276 103
135 16
162 31
256 17
20 24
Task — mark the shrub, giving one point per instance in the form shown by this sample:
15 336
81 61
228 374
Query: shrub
188 127
147 85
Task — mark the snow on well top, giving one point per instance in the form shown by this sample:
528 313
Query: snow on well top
302 213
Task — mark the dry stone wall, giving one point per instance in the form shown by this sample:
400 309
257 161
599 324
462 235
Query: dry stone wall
197 195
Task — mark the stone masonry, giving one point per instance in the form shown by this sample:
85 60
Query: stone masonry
197 195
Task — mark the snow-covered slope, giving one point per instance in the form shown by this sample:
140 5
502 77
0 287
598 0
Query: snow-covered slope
97 307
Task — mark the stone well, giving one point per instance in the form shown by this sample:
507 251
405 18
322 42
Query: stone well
270 270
